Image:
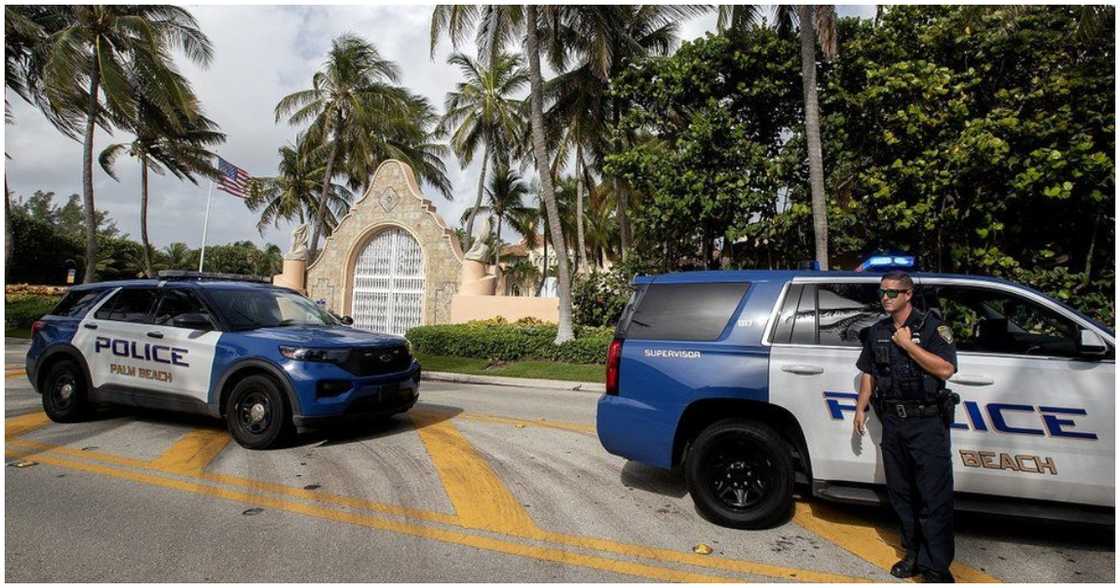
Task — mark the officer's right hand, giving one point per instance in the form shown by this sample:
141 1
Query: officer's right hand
860 421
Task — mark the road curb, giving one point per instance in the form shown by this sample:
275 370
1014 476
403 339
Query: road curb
590 387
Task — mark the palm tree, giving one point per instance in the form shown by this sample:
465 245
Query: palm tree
482 112
505 196
180 256
179 145
89 56
349 93
293 193
604 39
815 23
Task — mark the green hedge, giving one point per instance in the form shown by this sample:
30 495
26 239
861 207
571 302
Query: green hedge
497 339
21 311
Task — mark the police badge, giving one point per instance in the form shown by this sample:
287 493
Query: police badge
946 333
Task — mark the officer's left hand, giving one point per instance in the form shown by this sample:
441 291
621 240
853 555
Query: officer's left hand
902 338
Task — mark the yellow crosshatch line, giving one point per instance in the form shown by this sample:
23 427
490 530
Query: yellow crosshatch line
465 475
868 541
14 373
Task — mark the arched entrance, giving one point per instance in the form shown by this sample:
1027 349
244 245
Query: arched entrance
388 284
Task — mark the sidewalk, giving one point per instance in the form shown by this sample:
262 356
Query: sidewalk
592 387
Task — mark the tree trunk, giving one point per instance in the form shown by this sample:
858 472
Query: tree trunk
620 197
7 223
144 217
544 268
87 178
581 257
322 214
478 199
813 132
498 256
564 329
1089 256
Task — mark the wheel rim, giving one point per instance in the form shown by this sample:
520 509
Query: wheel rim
741 471
63 391
254 412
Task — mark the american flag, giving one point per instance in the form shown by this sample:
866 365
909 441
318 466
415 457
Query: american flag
234 179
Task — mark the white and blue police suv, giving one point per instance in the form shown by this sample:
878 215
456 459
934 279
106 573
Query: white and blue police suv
264 358
748 380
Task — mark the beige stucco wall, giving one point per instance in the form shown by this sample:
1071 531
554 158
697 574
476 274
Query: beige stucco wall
473 308
392 200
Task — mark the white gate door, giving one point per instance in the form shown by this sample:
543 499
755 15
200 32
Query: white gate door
389 284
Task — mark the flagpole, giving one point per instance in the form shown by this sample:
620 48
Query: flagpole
205 222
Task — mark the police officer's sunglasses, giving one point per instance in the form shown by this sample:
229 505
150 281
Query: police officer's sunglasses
890 292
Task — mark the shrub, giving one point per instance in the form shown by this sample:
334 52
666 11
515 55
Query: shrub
21 310
598 298
498 339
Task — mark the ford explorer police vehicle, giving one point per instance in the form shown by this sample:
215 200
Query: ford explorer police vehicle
748 380
264 358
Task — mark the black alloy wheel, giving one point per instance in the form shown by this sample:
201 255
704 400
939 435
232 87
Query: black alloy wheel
257 414
64 392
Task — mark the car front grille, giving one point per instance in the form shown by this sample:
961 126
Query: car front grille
373 361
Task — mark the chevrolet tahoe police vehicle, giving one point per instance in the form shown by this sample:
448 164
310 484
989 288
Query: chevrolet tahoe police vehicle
748 380
264 358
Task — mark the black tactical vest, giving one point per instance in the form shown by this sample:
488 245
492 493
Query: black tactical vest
897 375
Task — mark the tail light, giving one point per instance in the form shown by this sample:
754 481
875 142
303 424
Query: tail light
614 357
36 327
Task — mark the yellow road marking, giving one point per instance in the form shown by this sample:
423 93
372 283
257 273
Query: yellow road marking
193 452
34 448
479 497
23 424
430 414
14 373
487 543
880 547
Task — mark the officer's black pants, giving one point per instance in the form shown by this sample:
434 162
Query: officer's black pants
919 472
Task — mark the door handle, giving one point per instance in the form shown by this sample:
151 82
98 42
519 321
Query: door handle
155 334
804 370
90 326
971 380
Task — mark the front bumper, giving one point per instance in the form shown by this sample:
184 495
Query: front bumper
367 398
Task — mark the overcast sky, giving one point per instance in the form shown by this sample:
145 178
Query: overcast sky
261 53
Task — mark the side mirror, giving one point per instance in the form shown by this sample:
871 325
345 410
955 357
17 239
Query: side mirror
1091 343
193 320
347 320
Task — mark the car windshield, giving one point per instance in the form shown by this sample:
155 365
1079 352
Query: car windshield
254 309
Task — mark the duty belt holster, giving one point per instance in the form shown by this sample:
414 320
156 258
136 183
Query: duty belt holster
947 402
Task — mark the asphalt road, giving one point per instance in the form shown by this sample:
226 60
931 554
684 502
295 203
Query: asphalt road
477 483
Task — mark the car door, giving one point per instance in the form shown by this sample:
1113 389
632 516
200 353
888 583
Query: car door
815 342
112 339
1037 415
186 354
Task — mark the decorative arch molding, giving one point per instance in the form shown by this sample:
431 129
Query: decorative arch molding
393 199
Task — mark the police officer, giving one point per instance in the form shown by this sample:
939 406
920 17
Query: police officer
906 359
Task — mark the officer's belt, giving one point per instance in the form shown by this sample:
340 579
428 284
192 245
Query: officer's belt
910 408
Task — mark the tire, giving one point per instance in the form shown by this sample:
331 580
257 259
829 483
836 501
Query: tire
257 414
64 393
740 475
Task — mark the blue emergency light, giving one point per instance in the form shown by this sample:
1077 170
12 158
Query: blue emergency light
885 263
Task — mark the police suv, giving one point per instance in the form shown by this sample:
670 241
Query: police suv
748 379
264 358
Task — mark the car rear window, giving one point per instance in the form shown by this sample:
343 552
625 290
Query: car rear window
684 312
77 304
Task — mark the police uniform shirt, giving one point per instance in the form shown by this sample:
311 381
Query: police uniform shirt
929 332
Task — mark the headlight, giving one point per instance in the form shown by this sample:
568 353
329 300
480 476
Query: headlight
309 354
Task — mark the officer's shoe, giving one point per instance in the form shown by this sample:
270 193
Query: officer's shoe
905 568
932 577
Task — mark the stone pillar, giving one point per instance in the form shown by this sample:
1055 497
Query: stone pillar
293 276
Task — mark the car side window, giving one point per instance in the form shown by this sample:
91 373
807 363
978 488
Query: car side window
783 329
805 320
843 310
991 321
131 305
175 302
76 304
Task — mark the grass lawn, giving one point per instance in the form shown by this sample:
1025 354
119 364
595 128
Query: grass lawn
549 370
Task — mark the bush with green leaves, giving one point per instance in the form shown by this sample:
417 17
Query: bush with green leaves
498 339
22 310
598 298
